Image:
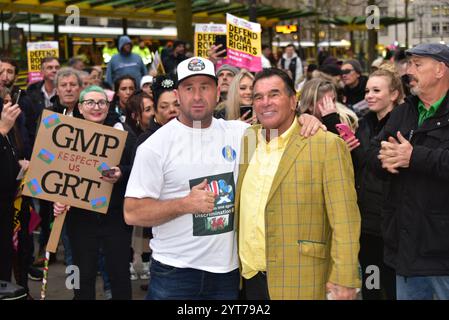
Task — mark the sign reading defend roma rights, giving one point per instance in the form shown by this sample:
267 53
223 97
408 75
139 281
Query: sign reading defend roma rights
68 158
36 51
244 43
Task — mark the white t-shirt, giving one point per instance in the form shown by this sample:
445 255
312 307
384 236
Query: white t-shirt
167 165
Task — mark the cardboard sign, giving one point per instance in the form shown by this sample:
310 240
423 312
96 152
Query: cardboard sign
205 37
36 51
244 43
68 158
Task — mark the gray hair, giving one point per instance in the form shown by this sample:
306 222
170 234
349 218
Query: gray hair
67 72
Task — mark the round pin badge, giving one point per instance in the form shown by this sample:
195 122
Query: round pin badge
228 153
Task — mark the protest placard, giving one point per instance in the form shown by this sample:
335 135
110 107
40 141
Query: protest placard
68 158
36 51
244 43
205 37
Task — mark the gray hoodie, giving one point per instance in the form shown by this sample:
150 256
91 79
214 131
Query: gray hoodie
125 64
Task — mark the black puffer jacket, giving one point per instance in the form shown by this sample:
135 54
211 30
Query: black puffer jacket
415 214
369 187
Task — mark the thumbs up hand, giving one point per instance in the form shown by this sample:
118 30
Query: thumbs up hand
200 200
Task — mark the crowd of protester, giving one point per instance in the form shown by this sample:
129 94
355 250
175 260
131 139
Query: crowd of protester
391 120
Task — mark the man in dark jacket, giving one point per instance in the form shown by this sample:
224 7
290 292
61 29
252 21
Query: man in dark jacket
355 84
177 55
41 93
8 75
412 151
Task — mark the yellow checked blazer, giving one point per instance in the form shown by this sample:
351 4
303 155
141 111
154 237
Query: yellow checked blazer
312 221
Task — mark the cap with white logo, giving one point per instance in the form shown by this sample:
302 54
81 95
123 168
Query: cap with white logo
195 66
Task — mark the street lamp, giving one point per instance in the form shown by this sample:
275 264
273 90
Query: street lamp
406 22
420 13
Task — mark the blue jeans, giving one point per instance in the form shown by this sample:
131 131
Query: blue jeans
171 283
422 288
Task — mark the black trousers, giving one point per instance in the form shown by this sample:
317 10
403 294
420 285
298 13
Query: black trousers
256 288
46 214
87 234
6 231
371 253
10 260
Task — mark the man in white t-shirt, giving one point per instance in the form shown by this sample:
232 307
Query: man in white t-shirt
183 184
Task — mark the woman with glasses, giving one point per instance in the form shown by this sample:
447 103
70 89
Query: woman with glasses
89 231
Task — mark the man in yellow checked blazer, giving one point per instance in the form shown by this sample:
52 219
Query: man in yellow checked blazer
299 223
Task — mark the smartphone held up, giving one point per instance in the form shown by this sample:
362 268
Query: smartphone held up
220 39
344 131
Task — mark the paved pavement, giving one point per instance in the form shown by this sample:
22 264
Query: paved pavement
57 290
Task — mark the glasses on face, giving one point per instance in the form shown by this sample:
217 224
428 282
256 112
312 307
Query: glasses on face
90 103
347 70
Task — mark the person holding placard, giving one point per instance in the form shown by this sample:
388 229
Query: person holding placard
89 230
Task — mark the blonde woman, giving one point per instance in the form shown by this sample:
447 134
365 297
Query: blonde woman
383 93
240 98
319 98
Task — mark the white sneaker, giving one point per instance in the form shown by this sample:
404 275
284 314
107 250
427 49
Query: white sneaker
133 273
145 275
108 294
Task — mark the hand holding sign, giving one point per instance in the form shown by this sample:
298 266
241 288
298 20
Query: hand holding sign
60 208
112 175
215 53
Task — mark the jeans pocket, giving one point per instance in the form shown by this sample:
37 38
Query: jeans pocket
161 269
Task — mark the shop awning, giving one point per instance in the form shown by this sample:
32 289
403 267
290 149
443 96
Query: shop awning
204 11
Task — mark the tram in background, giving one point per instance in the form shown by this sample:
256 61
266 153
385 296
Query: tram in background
76 40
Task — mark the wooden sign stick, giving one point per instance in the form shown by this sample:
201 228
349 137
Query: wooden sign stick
53 241
52 246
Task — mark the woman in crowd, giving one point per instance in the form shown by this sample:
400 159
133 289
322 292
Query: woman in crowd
319 98
166 106
139 111
124 88
239 99
383 92
145 84
14 209
87 230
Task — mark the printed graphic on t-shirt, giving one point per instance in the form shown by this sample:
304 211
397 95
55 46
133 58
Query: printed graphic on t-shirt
221 219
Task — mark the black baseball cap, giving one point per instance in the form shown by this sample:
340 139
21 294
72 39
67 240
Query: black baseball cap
332 69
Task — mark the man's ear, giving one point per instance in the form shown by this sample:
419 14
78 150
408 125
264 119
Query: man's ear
293 102
177 95
441 70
